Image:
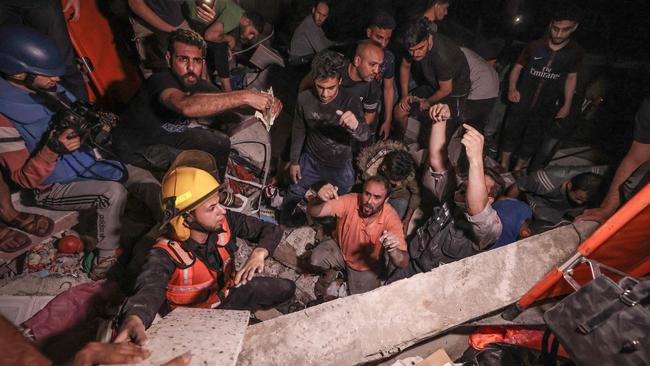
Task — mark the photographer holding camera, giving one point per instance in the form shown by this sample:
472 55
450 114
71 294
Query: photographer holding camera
40 151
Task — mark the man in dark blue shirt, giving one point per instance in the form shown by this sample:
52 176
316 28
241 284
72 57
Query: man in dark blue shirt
327 120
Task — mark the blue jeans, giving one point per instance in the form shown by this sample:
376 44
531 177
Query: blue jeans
312 172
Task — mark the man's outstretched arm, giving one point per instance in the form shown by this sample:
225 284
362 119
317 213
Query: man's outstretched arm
638 154
209 104
320 207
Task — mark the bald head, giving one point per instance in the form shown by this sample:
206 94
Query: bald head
367 60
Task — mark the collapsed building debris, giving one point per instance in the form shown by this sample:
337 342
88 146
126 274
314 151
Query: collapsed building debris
374 325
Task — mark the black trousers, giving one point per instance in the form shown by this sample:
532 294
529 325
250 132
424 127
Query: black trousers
47 18
259 293
165 146
526 126
477 112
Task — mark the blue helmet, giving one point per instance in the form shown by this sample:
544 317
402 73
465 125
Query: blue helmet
22 49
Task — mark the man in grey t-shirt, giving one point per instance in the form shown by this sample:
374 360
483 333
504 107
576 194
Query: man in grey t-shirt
309 39
484 90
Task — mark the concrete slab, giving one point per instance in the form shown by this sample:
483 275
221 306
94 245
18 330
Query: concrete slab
33 285
214 337
17 309
372 326
63 220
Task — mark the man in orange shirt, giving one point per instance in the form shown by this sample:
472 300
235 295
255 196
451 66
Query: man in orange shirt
367 230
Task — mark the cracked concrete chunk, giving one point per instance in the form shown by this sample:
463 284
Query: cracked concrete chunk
214 337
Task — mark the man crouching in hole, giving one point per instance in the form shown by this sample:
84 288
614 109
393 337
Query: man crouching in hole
367 230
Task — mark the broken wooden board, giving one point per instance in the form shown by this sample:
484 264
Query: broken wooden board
214 337
371 326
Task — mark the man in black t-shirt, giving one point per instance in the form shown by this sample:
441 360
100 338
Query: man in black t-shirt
380 32
325 124
156 125
440 69
545 73
359 78
632 175
361 81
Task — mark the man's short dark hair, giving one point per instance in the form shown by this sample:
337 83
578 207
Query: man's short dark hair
565 12
327 64
383 20
257 19
398 165
497 190
187 37
416 32
379 179
431 3
588 182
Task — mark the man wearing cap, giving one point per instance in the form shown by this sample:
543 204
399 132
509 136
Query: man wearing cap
193 265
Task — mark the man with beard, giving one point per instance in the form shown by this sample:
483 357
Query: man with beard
360 78
380 31
465 223
309 39
367 231
441 72
193 265
545 73
155 127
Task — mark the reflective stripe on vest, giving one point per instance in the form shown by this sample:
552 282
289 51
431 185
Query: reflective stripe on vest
194 284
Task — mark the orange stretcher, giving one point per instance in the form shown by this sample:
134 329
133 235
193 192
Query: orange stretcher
619 247
111 79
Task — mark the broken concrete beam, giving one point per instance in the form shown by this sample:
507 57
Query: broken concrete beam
374 325
63 220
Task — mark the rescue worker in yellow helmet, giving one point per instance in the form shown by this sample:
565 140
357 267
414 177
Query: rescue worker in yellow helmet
194 265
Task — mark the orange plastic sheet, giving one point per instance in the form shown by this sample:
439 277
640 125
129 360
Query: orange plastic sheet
622 242
114 79
517 335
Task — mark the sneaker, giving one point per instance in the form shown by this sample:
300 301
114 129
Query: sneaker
230 201
101 266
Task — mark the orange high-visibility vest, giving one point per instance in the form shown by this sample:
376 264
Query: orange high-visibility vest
193 284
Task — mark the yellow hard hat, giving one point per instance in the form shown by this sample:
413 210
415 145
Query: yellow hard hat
184 189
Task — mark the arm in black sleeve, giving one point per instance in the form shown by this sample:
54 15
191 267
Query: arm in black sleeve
150 287
362 132
298 134
265 234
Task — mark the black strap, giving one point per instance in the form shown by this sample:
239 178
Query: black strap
549 358
628 298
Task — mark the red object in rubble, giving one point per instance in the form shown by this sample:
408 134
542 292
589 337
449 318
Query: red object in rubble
517 335
70 244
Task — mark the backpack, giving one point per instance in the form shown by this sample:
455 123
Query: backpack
439 241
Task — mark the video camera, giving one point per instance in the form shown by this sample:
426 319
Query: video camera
92 127
85 122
